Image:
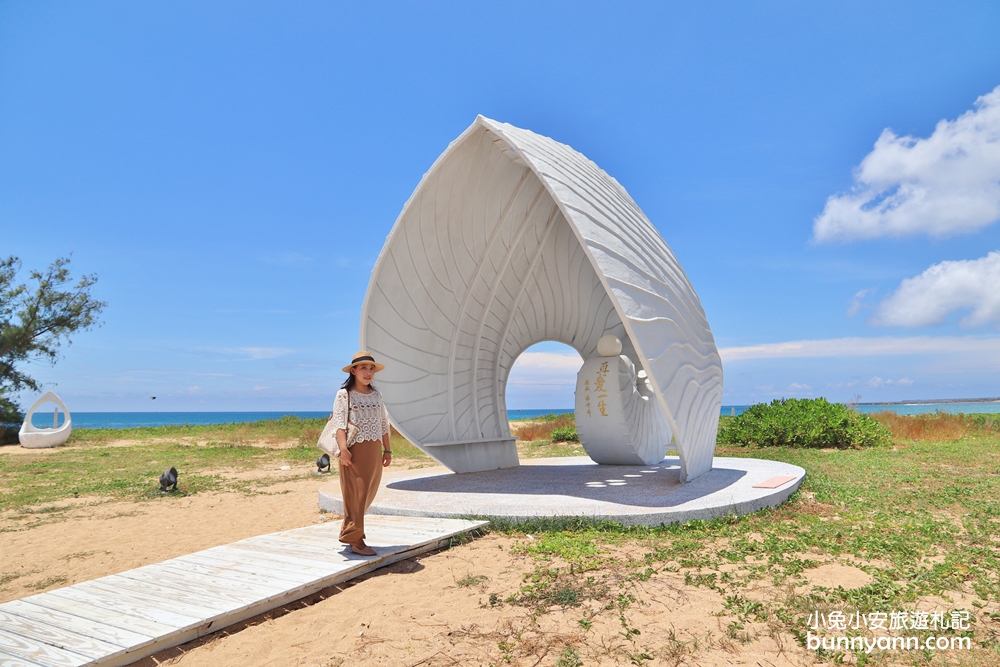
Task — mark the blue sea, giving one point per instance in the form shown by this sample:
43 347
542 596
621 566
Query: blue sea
134 419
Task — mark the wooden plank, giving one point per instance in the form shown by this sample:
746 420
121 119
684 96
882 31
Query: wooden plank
255 567
188 583
8 660
288 562
137 613
152 599
215 578
334 549
40 652
394 535
114 617
316 543
387 536
55 636
322 554
239 555
286 551
78 624
236 592
126 604
328 552
166 639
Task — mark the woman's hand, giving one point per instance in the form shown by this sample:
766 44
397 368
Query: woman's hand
345 453
386 459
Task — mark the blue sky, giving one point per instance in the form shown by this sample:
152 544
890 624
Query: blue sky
230 171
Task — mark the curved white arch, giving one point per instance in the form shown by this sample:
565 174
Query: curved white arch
512 238
32 437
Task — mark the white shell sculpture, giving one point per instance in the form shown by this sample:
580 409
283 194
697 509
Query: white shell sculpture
509 240
33 437
619 422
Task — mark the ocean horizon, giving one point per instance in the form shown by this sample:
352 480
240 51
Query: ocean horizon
118 420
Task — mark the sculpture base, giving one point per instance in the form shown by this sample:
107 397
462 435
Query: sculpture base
578 487
42 439
475 455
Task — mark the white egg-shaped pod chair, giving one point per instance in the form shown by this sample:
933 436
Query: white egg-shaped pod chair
33 437
511 239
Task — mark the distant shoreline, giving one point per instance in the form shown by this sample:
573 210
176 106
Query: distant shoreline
933 401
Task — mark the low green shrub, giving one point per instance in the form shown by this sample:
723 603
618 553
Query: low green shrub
803 422
552 416
565 434
8 434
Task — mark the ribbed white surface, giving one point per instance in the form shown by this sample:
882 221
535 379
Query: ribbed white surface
634 429
511 239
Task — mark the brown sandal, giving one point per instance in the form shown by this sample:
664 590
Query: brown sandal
362 549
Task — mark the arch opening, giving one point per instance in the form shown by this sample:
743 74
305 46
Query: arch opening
48 415
543 379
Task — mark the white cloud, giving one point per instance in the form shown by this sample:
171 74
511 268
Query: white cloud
877 382
263 352
260 388
795 386
841 385
943 289
856 301
549 361
545 369
948 183
288 258
866 347
543 380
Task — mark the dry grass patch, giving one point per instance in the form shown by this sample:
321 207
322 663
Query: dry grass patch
937 426
542 430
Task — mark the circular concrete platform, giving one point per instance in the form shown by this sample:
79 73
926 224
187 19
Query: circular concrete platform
578 487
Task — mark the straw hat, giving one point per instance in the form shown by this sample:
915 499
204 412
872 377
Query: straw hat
360 357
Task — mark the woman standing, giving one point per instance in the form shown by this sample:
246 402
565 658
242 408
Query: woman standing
360 403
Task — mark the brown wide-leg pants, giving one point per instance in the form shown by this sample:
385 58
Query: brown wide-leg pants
358 485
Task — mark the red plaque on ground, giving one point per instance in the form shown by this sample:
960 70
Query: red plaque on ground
774 482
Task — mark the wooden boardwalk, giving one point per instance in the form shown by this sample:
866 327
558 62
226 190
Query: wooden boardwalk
121 618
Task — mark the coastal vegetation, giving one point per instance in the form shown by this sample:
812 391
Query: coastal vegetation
804 422
36 318
542 429
938 426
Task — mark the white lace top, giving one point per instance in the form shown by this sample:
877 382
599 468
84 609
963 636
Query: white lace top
367 411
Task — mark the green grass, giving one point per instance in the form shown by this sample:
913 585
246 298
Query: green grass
542 449
91 467
471 580
132 472
922 519
289 427
550 417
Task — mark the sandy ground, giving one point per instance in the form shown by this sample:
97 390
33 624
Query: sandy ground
414 612
421 611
